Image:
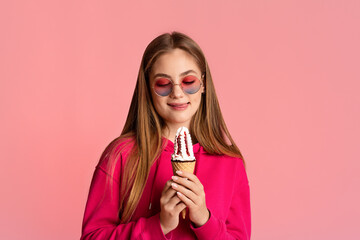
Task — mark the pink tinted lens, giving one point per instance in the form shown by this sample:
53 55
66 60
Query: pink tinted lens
163 86
190 84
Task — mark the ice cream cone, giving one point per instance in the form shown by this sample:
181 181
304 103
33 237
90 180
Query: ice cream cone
184 166
183 158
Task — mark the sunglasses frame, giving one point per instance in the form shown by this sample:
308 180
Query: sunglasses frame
173 85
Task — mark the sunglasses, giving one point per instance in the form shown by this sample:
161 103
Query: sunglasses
164 86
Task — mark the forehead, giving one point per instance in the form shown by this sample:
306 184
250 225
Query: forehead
175 62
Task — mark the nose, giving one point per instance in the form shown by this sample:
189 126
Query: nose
177 91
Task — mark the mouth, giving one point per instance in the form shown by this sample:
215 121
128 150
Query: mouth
178 104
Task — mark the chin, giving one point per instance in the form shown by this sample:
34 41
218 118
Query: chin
178 120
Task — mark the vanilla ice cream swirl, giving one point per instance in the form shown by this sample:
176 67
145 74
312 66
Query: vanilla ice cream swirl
183 148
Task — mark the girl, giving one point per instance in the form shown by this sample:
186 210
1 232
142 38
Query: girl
133 194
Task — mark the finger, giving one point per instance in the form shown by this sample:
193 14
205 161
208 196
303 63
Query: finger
190 176
174 201
179 207
167 194
167 186
184 182
195 187
188 193
185 200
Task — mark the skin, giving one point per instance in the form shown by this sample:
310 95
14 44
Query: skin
173 64
184 190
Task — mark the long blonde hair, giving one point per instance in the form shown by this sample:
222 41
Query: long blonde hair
144 126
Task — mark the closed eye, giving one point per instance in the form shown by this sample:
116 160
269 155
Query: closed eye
163 82
188 82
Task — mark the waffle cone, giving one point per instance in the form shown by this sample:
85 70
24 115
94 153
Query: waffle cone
184 166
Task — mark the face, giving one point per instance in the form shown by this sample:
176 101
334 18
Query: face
178 107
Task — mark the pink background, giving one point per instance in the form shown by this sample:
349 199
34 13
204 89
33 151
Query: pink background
287 77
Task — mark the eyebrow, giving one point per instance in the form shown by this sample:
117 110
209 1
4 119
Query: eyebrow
168 76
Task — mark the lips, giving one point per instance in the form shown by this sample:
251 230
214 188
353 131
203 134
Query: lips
178 104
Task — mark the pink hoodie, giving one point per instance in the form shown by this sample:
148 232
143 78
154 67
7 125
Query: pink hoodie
227 198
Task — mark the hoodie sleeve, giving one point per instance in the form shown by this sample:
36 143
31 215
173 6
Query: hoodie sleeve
238 222
101 220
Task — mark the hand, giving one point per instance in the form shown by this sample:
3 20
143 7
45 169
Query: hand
191 192
171 206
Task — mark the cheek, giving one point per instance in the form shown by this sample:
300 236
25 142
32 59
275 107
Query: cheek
197 99
155 101
159 104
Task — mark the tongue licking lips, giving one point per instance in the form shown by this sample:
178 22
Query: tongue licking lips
179 105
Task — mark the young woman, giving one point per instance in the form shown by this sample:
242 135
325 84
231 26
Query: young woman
133 193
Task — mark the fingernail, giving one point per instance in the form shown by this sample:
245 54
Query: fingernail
179 172
178 193
174 185
174 177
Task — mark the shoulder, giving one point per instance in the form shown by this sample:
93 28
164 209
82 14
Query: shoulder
115 152
237 163
240 171
221 161
231 165
223 158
